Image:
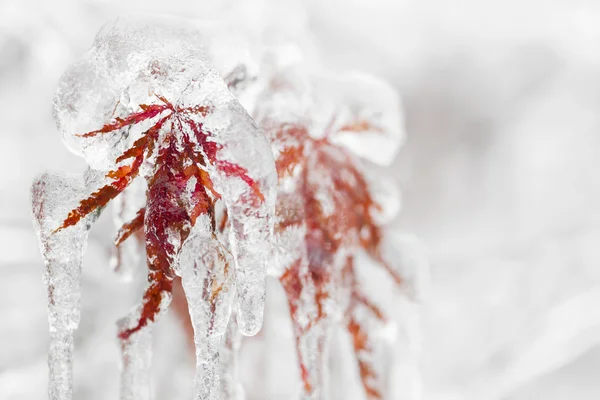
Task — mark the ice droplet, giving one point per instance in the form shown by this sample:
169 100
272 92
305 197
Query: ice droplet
53 195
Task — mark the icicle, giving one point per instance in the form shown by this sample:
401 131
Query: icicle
207 280
231 388
249 239
136 358
250 215
53 194
135 335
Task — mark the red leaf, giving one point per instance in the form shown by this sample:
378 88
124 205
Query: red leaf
102 196
148 111
231 169
160 285
130 227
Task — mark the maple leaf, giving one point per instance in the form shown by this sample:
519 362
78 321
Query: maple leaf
329 171
171 210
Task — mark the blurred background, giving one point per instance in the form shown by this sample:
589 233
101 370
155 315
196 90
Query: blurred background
500 177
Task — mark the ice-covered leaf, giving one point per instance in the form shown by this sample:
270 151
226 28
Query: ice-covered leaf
329 208
144 102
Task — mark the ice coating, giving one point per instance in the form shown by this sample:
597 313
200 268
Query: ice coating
312 326
131 58
386 194
52 196
354 110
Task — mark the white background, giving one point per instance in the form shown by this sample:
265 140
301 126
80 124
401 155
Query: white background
500 177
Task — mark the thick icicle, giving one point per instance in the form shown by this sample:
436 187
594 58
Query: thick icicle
250 213
136 358
231 388
53 194
207 279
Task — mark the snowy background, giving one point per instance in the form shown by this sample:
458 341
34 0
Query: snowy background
500 177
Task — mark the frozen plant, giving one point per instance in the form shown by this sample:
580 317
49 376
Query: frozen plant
144 103
200 189
326 211
325 132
